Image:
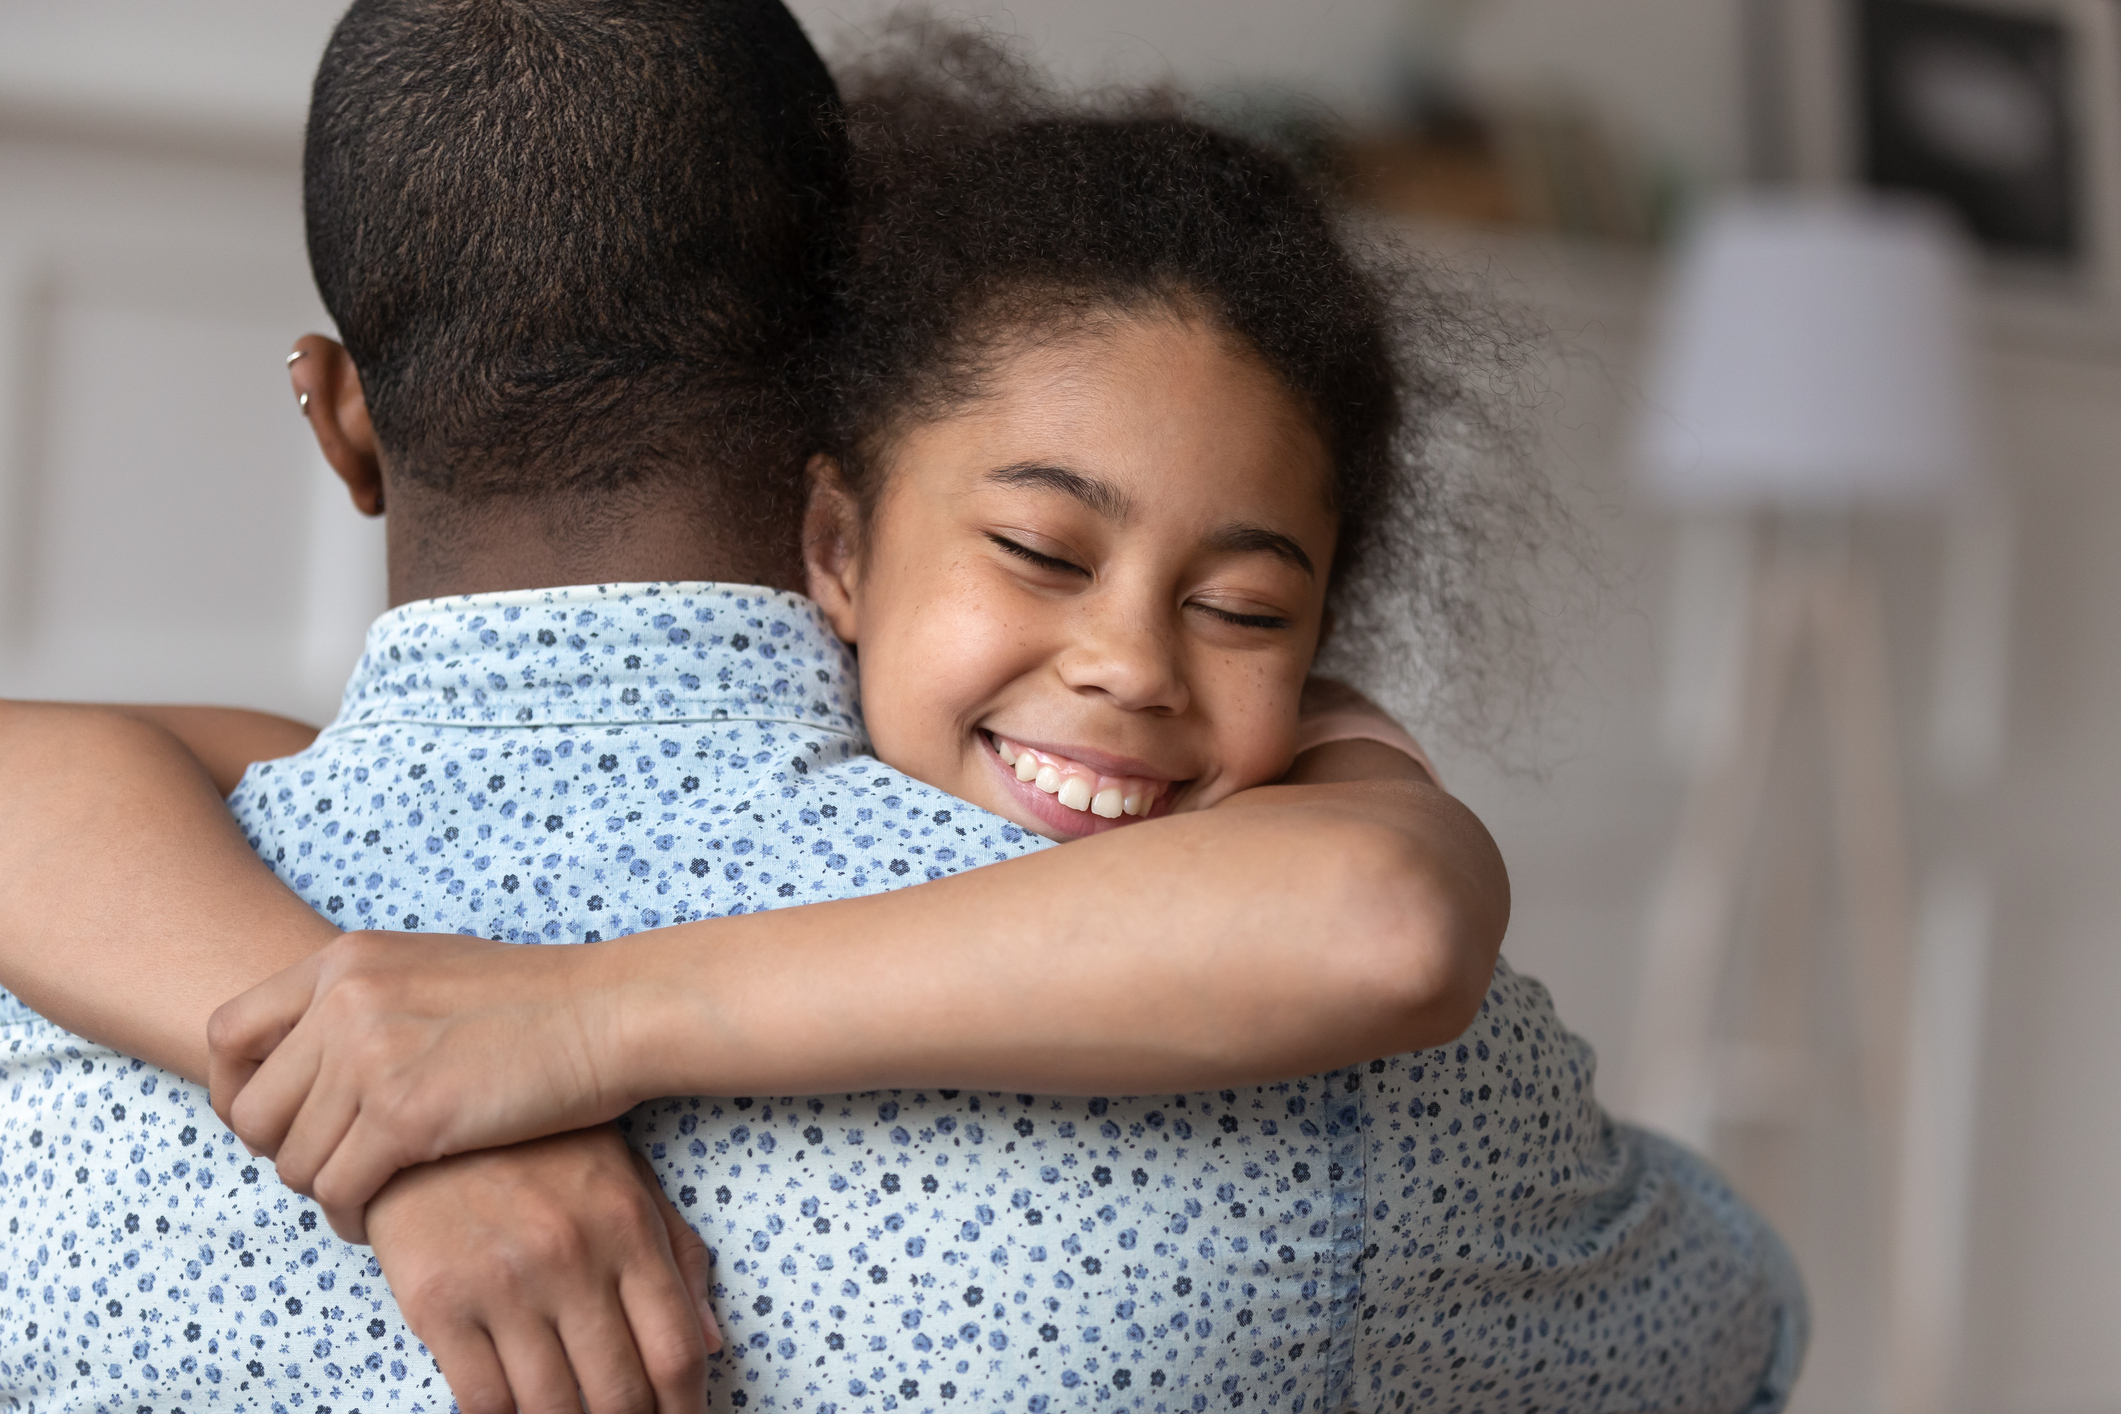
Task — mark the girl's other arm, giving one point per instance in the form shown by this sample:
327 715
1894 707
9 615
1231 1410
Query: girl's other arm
226 741
130 905
1297 928
1344 736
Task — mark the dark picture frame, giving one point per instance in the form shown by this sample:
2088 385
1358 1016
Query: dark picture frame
1973 106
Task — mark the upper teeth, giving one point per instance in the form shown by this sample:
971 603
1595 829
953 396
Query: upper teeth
1077 786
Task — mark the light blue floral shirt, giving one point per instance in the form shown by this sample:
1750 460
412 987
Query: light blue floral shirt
1461 1228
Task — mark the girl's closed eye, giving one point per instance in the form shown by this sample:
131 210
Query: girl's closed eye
1242 616
1235 609
1039 558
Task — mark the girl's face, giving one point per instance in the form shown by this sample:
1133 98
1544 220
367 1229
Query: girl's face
1092 596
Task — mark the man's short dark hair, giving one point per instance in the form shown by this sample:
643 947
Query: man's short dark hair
572 245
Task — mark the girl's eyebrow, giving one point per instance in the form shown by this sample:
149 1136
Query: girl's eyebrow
1246 538
1100 496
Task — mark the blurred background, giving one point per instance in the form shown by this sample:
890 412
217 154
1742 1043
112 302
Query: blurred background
1814 834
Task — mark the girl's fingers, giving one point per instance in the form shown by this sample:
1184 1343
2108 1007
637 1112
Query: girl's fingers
472 1367
539 1376
273 1099
367 1157
672 1328
610 1369
244 1031
324 1111
694 1262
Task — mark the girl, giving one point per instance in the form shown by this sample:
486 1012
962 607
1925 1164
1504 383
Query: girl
1117 428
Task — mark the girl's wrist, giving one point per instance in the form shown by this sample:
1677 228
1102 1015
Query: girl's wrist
666 1020
630 1022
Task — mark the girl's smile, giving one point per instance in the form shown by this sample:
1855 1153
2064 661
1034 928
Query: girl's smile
1077 791
1091 596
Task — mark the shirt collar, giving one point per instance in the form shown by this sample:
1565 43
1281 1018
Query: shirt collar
605 653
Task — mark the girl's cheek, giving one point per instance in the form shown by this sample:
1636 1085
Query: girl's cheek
938 662
1253 751
1262 735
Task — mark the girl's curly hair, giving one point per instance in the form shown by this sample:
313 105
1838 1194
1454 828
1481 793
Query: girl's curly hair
990 214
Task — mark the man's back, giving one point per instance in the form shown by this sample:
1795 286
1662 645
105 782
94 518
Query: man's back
554 766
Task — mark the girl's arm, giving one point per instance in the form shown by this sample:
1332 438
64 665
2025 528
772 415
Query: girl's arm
1352 911
130 905
1297 928
226 741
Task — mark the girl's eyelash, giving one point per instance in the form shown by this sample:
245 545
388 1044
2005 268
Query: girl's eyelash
1245 620
1025 552
1051 562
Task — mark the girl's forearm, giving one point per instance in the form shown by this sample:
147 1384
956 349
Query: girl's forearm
1303 928
130 905
1279 933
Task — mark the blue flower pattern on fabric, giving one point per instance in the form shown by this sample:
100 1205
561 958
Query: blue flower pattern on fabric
1458 1229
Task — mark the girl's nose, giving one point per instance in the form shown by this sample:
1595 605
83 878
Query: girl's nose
1128 655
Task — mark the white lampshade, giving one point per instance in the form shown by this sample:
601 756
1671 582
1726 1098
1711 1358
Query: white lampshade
1815 355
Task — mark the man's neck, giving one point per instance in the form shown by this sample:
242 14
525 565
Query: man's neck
437 549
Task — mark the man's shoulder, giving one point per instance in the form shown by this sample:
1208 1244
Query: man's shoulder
570 833
863 827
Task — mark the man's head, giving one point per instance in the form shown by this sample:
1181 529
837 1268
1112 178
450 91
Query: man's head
571 246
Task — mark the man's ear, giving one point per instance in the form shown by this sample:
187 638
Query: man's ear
328 390
831 547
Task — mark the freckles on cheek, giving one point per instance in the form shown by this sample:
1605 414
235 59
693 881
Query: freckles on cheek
1265 746
951 647
1259 732
982 652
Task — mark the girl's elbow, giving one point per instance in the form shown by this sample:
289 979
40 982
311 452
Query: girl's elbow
1429 986
1426 946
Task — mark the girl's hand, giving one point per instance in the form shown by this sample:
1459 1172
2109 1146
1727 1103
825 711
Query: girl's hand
386 1050
551 1276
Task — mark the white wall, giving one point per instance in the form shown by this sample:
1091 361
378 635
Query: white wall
224 63
1341 49
1665 70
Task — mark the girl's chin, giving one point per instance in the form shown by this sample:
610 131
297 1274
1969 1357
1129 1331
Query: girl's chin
1042 814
